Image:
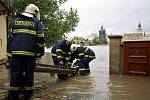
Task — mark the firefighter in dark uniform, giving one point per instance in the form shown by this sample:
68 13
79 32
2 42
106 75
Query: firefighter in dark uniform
84 55
60 52
25 44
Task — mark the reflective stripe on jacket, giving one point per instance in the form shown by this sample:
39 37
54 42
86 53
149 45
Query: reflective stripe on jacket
26 37
85 52
60 50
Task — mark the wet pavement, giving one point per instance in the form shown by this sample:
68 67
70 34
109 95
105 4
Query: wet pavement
99 85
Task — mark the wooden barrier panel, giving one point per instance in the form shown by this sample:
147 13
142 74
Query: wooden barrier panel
44 68
137 57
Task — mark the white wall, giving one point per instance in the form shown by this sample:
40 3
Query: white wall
3 36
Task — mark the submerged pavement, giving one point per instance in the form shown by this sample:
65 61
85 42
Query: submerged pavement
99 85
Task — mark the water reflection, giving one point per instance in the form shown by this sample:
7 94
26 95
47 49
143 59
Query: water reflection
76 88
129 88
100 73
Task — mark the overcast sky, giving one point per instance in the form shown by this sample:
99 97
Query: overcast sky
117 16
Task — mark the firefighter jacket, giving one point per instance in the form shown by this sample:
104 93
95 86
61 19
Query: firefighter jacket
26 37
61 50
82 52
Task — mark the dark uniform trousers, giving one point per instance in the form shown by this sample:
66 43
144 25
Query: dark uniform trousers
84 63
22 76
55 60
84 66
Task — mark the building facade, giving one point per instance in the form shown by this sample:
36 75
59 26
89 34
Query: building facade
102 33
139 35
102 36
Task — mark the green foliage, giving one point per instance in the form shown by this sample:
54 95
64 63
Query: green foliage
96 41
56 21
103 41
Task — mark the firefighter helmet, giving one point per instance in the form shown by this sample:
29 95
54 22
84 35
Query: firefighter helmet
73 47
32 9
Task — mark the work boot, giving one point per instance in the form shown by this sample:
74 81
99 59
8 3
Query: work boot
13 95
62 76
27 94
87 71
82 73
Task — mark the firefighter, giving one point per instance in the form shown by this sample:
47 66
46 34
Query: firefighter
60 55
25 44
84 55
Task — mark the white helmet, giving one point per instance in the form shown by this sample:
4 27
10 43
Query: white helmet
73 47
32 9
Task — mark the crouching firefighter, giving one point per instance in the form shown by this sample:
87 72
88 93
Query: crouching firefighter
60 56
84 55
25 43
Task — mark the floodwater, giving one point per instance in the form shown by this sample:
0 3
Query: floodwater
99 85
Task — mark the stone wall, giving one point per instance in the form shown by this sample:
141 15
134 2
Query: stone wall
115 54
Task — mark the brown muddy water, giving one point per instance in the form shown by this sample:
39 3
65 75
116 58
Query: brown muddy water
99 85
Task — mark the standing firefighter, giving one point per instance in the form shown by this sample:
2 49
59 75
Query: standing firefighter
60 53
84 55
25 43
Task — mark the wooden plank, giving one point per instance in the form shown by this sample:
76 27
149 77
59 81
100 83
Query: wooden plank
56 70
137 72
46 65
137 56
44 68
137 62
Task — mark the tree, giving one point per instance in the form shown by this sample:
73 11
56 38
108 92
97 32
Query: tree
56 21
95 41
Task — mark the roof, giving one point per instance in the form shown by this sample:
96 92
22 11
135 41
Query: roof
147 35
